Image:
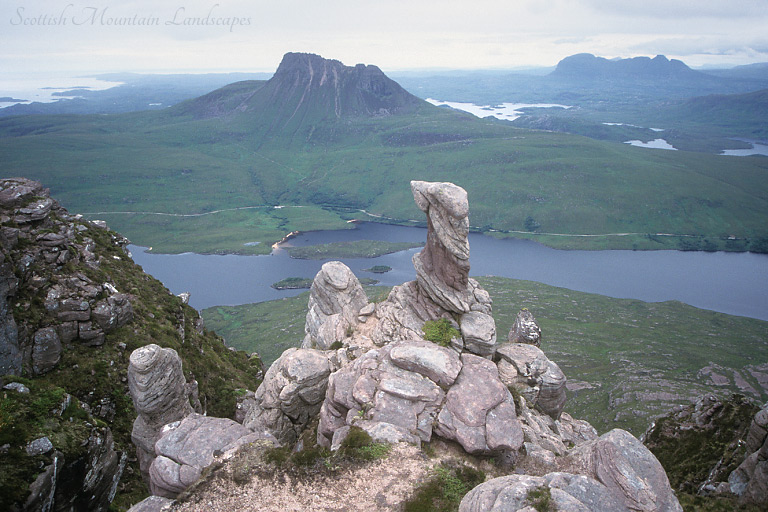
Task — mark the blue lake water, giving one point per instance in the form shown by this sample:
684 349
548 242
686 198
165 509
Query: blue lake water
734 283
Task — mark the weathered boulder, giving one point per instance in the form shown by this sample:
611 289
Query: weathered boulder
385 399
112 312
186 448
525 329
568 493
157 386
398 393
624 465
335 300
750 480
290 395
538 379
479 412
478 330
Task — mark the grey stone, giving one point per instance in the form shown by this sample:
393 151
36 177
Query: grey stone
568 493
157 386
479 333
537 378
290 395
16 386
335 300
184 451
39 446
525 329
624 465
153 504
438 363
46 350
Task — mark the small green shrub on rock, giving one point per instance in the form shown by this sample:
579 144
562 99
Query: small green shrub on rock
444 491
440 331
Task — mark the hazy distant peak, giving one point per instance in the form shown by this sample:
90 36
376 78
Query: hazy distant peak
586 66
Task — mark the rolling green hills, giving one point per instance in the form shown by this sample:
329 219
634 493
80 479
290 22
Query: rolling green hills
337 140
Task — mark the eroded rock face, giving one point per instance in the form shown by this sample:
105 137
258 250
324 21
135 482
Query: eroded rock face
628 469
750 480
186 448
157 386
397 393
569 493
291 394
442 267
525 329
443 287
538 379
335 301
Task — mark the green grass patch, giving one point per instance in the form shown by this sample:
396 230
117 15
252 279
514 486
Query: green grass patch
444 491
355 249
293 283
440 331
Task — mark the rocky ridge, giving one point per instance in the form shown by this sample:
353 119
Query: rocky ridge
370 367
73 306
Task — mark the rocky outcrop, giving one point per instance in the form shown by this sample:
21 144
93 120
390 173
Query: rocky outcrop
750 480
335 301
187 447
290 395
525 329
563 492
539 380
157 387
443 287
37 239
398 393
628 469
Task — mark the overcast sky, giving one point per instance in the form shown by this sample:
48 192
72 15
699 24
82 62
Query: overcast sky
252 35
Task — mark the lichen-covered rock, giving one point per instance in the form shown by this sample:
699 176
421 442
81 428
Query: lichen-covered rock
567 493
291 394
335 301
525 329
537 378
624 465
157 387
185 449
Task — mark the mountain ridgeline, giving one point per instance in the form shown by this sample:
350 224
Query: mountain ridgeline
307 89
339 141
590 67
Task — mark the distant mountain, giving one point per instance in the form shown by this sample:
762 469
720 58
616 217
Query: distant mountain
590 67
307 89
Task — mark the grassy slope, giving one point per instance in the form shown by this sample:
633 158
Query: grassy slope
159 162
627 349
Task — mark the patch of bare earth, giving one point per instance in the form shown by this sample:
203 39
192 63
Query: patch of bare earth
371 486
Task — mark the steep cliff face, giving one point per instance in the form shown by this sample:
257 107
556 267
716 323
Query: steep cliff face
73 306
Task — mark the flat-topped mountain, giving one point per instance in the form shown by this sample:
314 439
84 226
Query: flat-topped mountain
588 66
306 88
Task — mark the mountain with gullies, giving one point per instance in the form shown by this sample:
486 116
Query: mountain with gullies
307 89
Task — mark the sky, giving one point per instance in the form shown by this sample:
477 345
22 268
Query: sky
94 36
